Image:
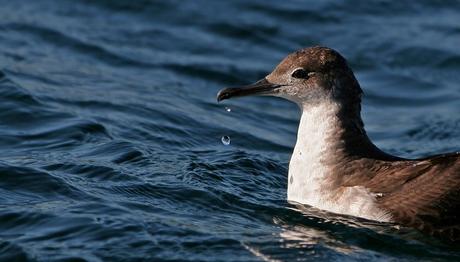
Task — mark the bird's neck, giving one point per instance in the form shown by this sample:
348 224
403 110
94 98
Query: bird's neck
330 135
330 132
330 138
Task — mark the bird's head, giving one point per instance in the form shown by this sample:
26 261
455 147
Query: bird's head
308 76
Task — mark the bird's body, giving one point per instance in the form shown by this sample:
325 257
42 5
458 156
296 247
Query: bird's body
335 166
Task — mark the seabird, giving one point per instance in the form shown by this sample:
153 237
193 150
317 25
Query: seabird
336 167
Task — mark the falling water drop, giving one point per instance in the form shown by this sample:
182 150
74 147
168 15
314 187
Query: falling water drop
225 140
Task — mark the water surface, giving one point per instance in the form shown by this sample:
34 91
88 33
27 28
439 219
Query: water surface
110 135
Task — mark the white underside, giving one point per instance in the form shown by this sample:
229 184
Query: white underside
308 176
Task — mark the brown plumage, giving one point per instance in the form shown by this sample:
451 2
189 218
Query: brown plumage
422 193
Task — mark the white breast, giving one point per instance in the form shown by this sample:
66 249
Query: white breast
308 175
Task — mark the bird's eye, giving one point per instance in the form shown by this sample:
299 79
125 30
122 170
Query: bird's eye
300 73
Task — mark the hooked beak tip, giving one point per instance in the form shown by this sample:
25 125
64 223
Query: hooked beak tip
223 94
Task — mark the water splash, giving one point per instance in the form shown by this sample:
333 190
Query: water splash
225 140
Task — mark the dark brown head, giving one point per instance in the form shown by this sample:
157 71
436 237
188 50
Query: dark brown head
308 76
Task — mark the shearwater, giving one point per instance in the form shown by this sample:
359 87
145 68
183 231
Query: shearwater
335 166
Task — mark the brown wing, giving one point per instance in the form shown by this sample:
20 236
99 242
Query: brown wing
428 196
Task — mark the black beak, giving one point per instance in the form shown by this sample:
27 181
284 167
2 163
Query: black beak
261 87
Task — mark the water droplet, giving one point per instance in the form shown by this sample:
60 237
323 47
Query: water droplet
228 109
225 140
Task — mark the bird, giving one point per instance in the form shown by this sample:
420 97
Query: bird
336 167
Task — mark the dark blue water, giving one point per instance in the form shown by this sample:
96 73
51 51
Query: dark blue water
110 135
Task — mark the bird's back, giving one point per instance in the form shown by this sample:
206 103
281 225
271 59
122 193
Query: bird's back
424 194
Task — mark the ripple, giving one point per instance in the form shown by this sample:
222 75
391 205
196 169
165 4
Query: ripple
55 135
110 133
451 62
236 31
216 73
93 173
438 129
422 57
61 39
23 182
12 93
433 135
295 13
12 252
